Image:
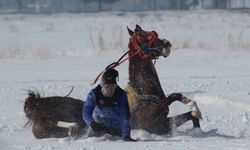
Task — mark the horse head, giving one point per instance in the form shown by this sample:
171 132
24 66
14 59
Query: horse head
148 44
143 79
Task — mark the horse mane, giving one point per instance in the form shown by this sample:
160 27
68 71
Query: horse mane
30 106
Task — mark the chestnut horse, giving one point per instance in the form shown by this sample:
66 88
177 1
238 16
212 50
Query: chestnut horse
148 103
54 116
58 116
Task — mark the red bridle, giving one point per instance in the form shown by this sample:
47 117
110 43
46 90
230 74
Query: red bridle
134 39
148 37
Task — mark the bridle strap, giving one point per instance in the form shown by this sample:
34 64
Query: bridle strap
139 50
115 64
120 61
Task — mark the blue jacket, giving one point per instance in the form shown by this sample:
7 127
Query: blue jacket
117 116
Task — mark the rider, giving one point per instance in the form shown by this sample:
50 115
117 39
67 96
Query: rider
106 109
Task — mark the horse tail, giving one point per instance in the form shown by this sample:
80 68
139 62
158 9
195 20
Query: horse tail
31 106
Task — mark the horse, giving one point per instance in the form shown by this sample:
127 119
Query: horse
148 104
55 116
61 116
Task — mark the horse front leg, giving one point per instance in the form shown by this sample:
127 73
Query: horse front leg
177 121
188 102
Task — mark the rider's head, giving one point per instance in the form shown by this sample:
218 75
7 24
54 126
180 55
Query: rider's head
108 82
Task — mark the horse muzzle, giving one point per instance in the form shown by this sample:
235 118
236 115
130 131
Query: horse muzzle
165 52
166 48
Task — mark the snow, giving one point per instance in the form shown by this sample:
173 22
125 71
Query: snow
209 64
41 36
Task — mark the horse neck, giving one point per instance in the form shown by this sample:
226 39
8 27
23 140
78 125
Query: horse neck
143 77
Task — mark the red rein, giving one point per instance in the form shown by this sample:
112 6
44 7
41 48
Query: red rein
150 38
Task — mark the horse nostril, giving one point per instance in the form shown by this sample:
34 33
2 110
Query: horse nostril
166 52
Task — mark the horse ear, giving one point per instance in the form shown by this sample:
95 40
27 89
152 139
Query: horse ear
137 28
130 31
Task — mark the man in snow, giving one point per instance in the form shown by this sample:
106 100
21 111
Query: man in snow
106 109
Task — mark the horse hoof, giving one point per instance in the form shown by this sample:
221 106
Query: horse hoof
72 131
195 109
197 114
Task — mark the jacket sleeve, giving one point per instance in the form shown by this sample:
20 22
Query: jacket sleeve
125 116
88 108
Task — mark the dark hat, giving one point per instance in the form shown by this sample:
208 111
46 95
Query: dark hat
109 76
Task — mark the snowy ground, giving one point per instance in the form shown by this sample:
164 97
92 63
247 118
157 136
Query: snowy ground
217 78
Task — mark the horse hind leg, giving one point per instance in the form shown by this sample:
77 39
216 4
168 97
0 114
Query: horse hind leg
72 127
188 102
62 129
40 131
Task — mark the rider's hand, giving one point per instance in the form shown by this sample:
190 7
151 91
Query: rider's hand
96 126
